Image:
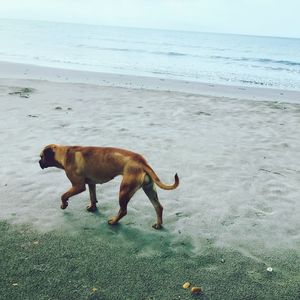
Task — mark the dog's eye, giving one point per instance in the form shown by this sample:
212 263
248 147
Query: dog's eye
48 154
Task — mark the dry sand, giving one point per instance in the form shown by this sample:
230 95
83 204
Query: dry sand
237 158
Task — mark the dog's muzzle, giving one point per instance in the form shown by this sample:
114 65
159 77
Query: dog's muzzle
42 165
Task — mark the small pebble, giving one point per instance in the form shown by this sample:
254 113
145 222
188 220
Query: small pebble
186 285
222 261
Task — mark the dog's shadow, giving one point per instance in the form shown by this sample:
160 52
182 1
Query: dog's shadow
146 241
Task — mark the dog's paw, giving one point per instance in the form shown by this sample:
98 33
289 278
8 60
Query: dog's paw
91 208
64 205
112 222
157 226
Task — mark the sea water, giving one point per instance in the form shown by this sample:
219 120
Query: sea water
193 56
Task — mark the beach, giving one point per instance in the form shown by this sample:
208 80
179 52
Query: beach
235 214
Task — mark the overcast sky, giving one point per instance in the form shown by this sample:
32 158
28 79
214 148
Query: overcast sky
258 17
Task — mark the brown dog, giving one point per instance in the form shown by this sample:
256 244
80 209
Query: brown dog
92 165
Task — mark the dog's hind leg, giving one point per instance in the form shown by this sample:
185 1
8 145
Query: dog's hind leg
132 181
127 190
93 198
150 191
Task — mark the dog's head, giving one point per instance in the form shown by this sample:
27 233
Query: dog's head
48 157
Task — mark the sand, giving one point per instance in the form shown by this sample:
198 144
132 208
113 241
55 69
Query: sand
236 151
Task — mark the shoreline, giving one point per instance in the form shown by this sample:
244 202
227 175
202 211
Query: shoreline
10 70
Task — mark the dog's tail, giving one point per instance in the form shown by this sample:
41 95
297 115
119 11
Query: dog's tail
155 178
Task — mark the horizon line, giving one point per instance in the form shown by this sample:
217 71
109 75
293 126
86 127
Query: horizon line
153 28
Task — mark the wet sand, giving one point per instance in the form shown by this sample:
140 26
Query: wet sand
100 262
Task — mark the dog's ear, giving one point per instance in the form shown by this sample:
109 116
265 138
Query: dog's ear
49 154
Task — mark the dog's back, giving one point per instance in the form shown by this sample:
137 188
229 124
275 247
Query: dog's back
101 164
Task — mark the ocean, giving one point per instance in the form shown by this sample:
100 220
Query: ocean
191 56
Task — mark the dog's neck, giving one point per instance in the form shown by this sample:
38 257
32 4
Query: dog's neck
60 155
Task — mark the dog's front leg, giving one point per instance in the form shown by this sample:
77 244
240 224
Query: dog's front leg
74 190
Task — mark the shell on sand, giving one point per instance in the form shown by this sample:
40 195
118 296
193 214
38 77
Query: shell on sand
196 290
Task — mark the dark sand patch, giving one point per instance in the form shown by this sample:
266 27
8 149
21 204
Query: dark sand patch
22 92
124 263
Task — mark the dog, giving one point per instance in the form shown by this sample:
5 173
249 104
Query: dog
93 165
